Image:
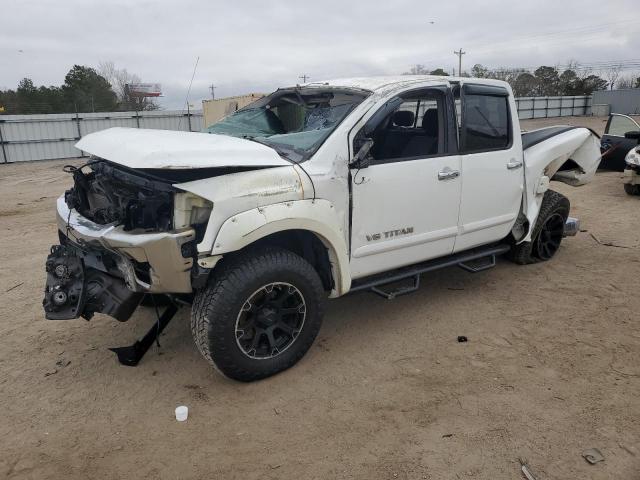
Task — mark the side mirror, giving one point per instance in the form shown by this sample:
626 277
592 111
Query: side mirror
633 135
361 158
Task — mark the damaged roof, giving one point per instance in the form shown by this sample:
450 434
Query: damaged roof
383 82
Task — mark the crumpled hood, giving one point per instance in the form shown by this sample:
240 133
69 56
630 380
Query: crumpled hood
141 148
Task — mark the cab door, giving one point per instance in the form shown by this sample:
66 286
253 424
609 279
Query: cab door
405 201
620 136
491 165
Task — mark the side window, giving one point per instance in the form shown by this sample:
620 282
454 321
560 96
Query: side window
485 122
619 125
415 129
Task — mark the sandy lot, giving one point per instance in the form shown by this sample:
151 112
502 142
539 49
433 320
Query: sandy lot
551 368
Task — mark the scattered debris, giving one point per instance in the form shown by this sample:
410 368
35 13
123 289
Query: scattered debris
593 455
447 435
63 363
525 470
276 411
462 339
51 372
182 413
14 287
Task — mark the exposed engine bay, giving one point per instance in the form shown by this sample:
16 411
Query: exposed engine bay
114 194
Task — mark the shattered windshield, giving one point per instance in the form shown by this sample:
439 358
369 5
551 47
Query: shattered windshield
294 121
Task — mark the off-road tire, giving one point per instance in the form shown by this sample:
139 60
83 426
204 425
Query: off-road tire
216 308
632 189
526 252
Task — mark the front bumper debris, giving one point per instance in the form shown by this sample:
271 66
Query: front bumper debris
156 262
83 282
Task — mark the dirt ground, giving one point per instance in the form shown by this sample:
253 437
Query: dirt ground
551 368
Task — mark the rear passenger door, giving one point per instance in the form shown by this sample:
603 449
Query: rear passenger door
491 165
405 202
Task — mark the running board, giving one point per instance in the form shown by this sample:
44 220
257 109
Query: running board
465 260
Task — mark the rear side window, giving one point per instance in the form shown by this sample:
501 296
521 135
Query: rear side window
485 122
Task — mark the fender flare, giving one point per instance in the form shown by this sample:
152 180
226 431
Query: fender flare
317 216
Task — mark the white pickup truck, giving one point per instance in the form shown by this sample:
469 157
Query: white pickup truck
314 191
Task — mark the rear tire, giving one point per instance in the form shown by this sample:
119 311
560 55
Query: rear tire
547 232
259 314
632 189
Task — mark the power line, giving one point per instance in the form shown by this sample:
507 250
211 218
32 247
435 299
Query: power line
304 77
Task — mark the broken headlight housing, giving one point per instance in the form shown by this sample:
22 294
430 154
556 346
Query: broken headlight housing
633 157
190 210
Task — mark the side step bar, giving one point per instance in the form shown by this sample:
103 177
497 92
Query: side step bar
465 260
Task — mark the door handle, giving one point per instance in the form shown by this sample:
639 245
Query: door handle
448 174
513 164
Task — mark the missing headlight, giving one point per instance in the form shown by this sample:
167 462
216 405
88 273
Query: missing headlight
192 211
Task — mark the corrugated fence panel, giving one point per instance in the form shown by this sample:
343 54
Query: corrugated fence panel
543 107
626 101
42 137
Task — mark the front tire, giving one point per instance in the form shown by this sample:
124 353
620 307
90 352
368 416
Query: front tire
259 314
547 233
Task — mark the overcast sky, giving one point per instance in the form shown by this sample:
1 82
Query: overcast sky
256 46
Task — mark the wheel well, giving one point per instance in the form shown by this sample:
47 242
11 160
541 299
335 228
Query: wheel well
305 244
570 165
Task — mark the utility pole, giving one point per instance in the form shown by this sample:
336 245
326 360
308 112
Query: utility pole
212 87
459 53
304 77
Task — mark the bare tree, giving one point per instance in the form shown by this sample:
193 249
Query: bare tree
119 78
612 74
417 69
625 81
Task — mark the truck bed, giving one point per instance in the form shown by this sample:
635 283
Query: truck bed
534 137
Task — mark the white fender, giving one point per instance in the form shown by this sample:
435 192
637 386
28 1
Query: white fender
317 216
543 160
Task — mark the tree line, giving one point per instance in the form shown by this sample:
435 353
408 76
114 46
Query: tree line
85 89
545 80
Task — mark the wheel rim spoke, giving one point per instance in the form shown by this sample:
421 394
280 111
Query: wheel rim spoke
270 320
550 236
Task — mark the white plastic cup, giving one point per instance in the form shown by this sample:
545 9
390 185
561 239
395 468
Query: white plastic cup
182 413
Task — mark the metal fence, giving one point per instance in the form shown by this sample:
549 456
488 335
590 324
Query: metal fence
626 101
42 137
543 107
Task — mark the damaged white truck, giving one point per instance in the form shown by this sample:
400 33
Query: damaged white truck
314 191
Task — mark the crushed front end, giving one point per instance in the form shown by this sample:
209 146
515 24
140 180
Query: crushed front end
118 241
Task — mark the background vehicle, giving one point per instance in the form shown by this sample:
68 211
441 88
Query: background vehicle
310 192
632 172
621 134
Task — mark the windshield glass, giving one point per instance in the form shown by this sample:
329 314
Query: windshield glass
291 121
